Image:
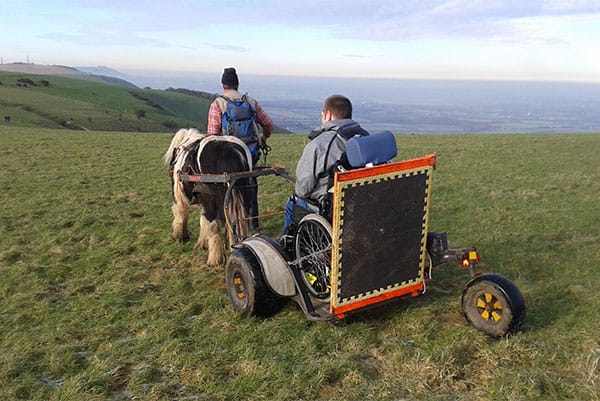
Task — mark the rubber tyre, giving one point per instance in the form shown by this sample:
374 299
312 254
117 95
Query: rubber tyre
246 286
313 251
493 304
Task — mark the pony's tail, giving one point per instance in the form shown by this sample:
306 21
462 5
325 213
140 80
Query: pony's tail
238 216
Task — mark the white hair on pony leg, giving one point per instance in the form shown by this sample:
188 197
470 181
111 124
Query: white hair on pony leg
202 242
181 205
216 256
181 212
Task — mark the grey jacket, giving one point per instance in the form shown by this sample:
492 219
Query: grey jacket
326 147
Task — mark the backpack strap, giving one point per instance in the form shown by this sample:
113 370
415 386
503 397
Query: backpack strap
222 102
325 172
344 137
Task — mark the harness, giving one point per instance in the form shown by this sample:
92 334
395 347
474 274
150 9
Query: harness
227 138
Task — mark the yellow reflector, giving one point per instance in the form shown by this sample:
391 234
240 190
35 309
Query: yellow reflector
473 255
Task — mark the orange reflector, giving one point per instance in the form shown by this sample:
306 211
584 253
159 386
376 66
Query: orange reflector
465 262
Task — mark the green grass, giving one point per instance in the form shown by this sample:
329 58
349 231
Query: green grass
87 105
99 304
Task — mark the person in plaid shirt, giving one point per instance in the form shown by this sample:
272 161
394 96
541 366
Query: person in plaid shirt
230 83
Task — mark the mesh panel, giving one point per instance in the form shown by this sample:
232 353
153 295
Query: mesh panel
382 230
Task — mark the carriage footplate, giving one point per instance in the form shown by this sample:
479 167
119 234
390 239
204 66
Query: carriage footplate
314 308
321 310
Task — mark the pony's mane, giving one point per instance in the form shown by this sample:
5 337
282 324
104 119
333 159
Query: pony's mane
182 138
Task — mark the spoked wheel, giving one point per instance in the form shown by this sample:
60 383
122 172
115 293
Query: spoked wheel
493 304
313 252
246 286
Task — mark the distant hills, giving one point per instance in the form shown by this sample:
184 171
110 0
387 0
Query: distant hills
65 97
95 98
98 74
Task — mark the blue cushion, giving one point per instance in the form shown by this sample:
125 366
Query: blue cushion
376 149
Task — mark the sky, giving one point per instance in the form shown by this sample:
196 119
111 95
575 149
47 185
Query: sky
429 39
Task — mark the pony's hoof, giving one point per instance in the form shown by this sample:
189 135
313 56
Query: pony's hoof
214 262
181 239
200 245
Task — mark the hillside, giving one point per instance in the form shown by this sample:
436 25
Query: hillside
67 101
97 75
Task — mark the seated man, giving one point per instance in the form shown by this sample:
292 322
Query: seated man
320 156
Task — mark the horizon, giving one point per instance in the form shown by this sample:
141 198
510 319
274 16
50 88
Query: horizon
472 40
401 105
217 74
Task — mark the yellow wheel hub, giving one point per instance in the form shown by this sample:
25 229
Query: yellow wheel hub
239 287
490 307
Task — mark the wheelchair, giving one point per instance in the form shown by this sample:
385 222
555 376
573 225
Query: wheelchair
368 246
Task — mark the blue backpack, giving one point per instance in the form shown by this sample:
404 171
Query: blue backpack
239 120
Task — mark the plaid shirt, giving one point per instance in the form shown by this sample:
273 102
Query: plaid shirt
215 116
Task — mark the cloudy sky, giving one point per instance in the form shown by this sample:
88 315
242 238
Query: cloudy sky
457 39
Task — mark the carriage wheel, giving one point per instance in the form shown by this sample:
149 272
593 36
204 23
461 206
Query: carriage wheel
313 252
246 286
493 304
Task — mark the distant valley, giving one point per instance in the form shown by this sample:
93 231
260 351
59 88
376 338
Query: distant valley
402 106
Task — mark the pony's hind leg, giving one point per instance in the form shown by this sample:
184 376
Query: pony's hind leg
216 256
202 242
181 211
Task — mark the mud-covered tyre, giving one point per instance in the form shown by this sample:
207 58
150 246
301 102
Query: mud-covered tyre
493 304
246 286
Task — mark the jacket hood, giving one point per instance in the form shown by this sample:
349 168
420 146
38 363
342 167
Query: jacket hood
347 128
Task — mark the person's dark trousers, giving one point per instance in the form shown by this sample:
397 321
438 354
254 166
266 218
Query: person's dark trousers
292 203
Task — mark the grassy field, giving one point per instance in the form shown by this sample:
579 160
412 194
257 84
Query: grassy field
99 304
61 102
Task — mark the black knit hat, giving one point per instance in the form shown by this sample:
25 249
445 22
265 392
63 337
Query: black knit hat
230 78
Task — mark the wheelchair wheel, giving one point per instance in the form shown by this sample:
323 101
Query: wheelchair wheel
313 252
493 304
246 286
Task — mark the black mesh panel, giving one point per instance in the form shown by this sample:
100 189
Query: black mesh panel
382 231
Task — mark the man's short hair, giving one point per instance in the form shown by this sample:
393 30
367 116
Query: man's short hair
339 106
